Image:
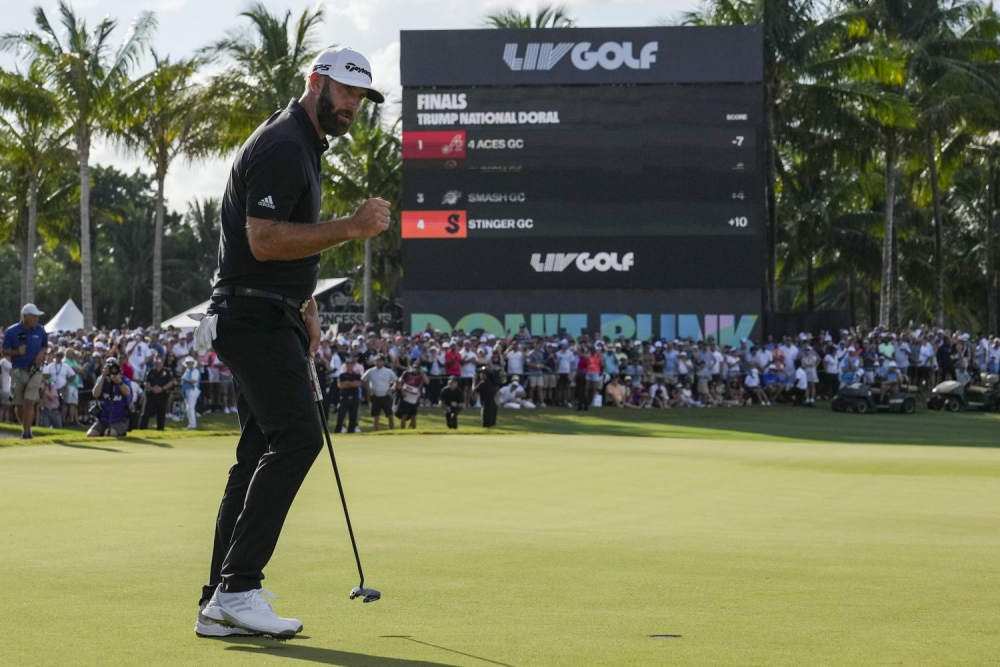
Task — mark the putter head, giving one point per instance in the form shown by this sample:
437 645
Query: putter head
369 594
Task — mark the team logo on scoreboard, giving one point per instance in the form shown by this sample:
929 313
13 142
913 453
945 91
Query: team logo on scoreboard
609 55
451 198
448 146
434 225
557 262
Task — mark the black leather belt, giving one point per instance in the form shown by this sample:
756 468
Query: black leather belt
233 290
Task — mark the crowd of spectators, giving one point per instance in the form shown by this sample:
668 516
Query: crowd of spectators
590 371
393 373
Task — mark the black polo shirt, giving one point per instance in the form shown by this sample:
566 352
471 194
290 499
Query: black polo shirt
158 378
275 176
449 396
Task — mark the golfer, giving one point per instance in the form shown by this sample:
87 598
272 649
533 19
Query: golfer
266 327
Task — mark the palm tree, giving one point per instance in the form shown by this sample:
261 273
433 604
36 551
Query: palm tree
191 253
87 76
36 137
546 16
950 73
265 67
814 80
164 116
367 163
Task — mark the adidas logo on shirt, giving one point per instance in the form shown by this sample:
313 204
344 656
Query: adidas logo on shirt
266 201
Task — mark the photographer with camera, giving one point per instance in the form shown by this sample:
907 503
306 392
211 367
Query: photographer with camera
25 345
114 392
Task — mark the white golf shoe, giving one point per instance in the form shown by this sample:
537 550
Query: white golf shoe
251 611
206 627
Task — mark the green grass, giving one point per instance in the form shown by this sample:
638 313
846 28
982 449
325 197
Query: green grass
762 537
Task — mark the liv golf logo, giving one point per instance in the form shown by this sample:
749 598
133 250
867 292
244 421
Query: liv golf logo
610 56
557 262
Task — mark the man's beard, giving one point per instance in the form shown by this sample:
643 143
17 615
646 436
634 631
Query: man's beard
332 122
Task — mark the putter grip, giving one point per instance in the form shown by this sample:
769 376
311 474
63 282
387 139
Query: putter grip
314 379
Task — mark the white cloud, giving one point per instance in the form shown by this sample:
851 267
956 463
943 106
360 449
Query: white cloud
164 6
385 67
359 12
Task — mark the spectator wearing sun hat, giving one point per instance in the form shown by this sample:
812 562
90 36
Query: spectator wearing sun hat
191 388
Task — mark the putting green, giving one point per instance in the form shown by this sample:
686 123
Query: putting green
525 549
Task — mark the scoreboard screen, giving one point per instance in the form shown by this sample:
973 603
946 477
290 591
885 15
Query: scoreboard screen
605 180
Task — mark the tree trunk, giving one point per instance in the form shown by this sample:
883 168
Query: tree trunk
810 285
770 156
158 254
896 315
872 305
29 255
991 257
851 306
23 252
86 276
885 307
938 221
369 293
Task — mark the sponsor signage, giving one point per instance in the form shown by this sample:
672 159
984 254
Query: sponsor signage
725 316
586 264
582 56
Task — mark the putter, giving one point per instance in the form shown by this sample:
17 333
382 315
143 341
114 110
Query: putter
359 591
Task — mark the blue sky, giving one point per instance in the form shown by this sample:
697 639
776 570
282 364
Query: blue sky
371 26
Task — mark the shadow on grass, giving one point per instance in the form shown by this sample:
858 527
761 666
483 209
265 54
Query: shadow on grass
818 424
147 441
80 445
443 648
323 656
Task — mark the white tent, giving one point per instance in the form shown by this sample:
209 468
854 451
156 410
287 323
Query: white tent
184 321
69 318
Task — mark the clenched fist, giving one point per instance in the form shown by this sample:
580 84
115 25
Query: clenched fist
371 218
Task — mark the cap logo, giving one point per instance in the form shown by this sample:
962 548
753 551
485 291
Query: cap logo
321 68
351 67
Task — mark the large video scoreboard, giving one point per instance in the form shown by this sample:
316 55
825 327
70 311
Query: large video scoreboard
598 180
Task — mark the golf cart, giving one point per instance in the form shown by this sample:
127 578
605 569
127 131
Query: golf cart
861 399
955 396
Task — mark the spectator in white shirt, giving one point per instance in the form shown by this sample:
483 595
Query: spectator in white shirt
515 359
801 387
139 355
831 372
513 395
752 383
566 368
6 400
926 362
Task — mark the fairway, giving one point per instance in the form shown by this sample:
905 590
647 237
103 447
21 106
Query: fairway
755 546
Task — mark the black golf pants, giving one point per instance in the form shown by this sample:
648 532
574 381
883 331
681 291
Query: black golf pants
489 413
348 407
264 343
156 404
451 416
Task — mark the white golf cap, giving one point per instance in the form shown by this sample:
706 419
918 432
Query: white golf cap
31 309
345 65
